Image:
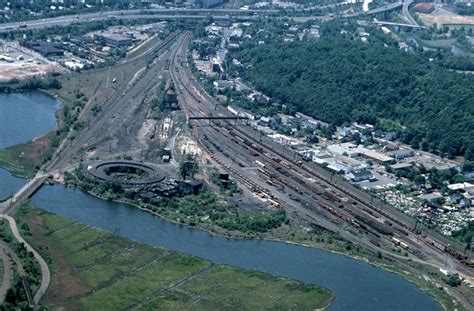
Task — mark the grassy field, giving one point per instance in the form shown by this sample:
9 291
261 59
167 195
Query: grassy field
92 269
24 159
440 43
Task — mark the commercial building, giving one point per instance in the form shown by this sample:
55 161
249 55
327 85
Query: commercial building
116 39
347 149
400 166
47 49
374 155
360 175
401 154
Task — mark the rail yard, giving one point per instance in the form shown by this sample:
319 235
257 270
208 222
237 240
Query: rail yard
284 181
120 143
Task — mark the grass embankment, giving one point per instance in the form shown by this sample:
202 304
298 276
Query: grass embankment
24 159
94 270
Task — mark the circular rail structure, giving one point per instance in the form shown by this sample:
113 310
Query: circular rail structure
132 173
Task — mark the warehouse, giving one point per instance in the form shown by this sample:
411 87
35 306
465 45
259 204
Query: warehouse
116 40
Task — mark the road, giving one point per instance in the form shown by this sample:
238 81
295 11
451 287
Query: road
160 14
406 13
45 274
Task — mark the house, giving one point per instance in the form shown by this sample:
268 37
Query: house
464 202
264 121
391 136
223 84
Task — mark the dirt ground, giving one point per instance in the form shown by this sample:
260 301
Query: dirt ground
442 17
10 71
24 63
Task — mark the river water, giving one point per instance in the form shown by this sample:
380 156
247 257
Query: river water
9 183
23 116
358 286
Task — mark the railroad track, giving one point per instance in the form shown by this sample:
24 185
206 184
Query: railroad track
357 212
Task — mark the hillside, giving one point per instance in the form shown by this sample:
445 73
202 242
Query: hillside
339 80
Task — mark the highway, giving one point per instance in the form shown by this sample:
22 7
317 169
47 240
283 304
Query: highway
159 14
273 173
177 13
406 13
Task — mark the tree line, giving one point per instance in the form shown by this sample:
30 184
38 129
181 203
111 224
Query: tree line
339 79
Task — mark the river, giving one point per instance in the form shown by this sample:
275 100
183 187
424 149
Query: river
23 116
9 184
358 286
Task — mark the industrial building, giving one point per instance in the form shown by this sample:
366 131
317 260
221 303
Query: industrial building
47 49
170 99
116 40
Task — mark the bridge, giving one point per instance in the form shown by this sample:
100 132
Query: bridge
398 24
25 192
405 5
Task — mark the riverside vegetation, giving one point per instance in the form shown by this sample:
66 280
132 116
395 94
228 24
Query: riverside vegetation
91 269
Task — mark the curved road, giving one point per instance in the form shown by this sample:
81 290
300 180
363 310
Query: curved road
406 13
45 274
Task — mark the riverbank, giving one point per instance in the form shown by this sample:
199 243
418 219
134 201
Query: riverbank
422 275
28 121
92 268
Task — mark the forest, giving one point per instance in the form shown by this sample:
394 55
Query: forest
340 79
